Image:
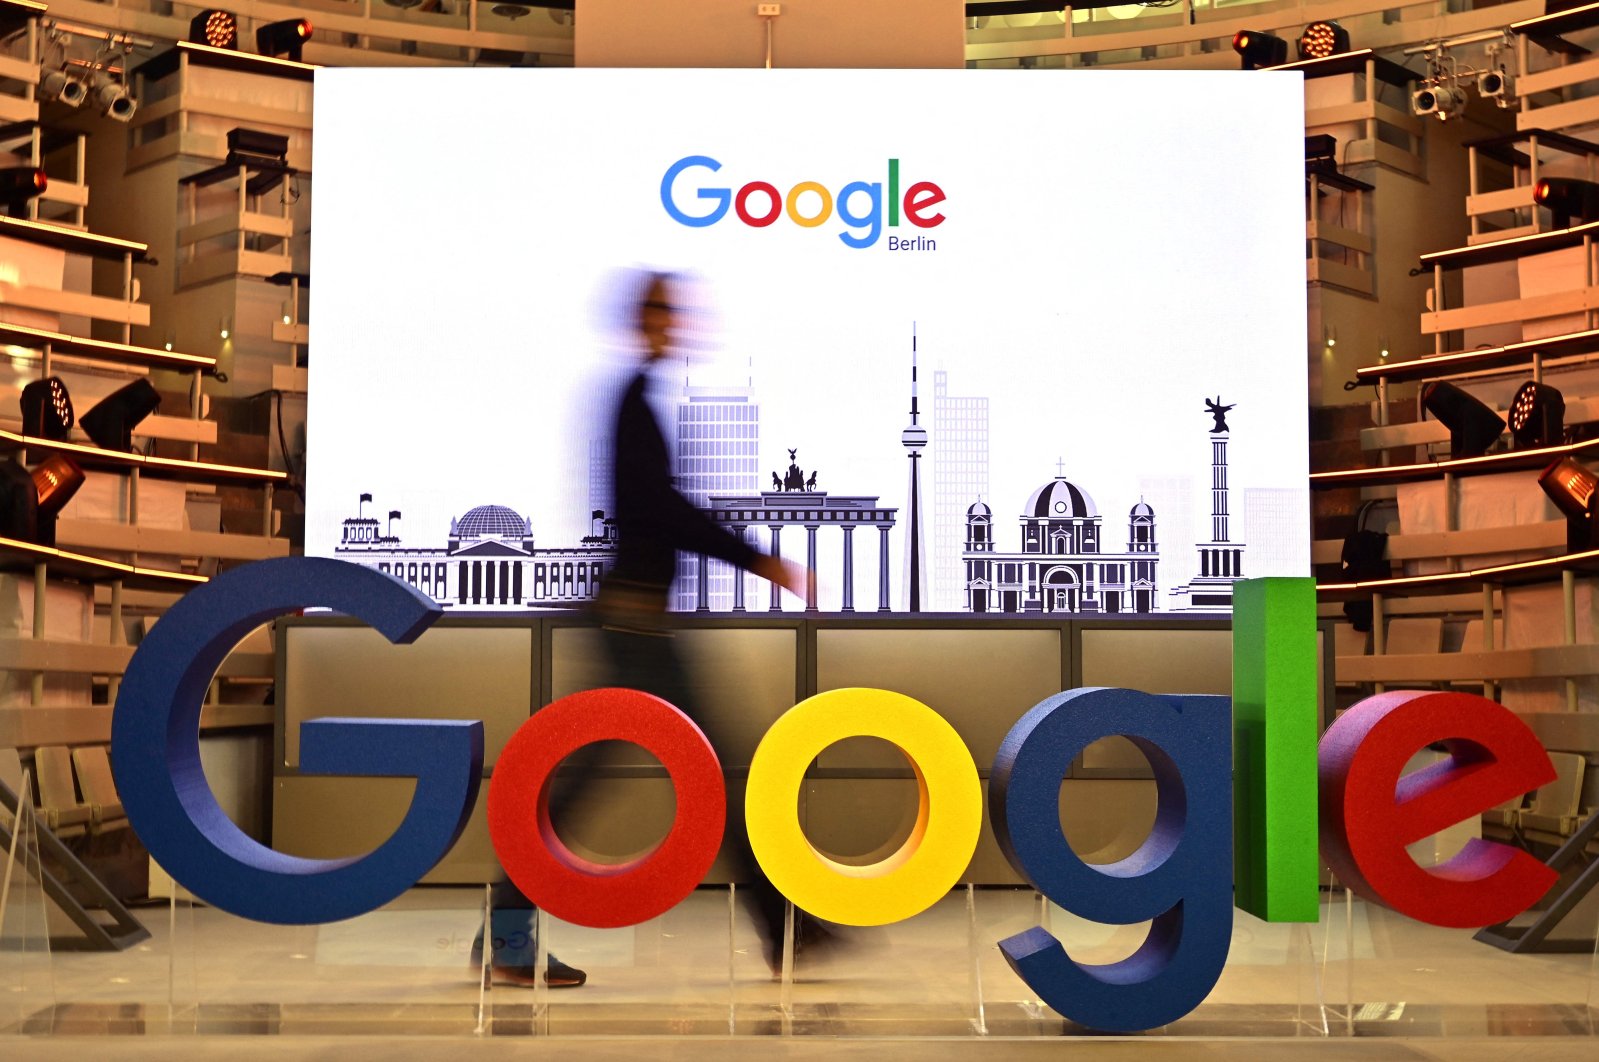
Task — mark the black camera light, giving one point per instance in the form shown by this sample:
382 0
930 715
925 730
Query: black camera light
283 40
19 184
1570 200
1473 427
110 424
1257 49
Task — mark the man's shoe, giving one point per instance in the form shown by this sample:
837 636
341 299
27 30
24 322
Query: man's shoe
557 975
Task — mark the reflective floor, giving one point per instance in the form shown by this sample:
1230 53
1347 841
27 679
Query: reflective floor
698 976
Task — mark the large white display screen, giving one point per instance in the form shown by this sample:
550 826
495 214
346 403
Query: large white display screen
1087 275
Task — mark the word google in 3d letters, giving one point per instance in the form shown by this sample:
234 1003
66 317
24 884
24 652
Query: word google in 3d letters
1241 768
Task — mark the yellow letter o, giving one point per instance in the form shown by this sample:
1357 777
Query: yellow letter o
792 204
948 817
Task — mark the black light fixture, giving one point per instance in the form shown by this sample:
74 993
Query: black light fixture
1322 39
217 28
110 424
18 184
1258 49
1572 488
1321 154
1364 557
19 503
55 481
251 147
283 40
1569 199
1473 427
46 409
1537 415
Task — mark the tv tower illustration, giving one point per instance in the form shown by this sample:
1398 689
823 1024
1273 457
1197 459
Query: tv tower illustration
914 439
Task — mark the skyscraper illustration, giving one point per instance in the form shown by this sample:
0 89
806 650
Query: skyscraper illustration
599 475
1273 520
716 452
958 453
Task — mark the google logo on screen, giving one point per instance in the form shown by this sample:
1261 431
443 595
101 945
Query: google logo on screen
860 205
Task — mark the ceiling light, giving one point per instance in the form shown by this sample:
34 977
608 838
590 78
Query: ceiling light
1496 85
113 99
63 87
1438 99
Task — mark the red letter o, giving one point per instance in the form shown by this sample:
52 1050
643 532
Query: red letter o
741 201
550 874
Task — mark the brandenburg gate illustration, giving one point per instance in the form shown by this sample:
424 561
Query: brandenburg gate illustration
812 510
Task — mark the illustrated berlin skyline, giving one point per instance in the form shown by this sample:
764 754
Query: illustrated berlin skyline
956 473
958 476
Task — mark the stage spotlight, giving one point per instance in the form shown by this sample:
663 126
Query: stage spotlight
46 409
55 481
1473 427
219 29
110 424
1568 199
1537 416
1445 101
63 87
113 98
283 40
1495 85
1258 49
18 184
19 503
1322 39
1571 487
